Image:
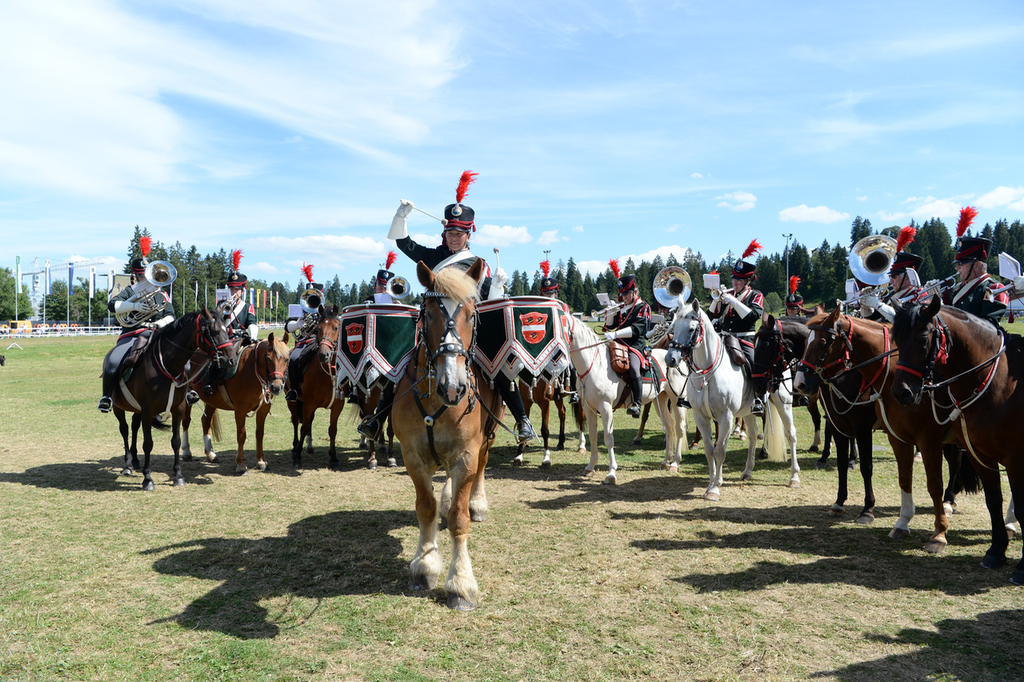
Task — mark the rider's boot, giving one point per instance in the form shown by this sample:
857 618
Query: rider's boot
353 396
757 409
634 408
106 402
683 402
510 394
371 425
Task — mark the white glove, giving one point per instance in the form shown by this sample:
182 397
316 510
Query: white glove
624 333
292 326
870 300
735 304
497 289
887 311
499 276
399 229
866 311
1018 284
126 306
163 322
254 331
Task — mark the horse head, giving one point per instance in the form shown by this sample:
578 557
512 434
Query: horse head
913 332
826 344
213 337
328 332
776 343
275 362
687 332
448 318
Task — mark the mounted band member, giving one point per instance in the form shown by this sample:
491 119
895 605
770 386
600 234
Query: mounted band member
141 307
629 326
304 330
906 284
974 293
454 252
240 319
549 289
795 302
382 294
740 308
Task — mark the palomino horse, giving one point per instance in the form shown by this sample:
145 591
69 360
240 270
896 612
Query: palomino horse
318 391
602 391
720 391
259 377
838 345
782 343
156 382
545 394
972 372
444 416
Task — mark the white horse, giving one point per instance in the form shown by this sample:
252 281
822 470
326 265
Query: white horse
718 391
601 390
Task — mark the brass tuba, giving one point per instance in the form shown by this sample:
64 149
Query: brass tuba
398 287
311 300
870 260
672 286
158 274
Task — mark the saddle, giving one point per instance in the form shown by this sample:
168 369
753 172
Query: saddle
736 353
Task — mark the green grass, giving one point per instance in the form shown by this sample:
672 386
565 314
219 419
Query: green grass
301 575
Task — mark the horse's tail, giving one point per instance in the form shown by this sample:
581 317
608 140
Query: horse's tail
581 418
961 466
215 427
157 424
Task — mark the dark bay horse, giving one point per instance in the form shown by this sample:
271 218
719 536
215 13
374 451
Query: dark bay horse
445 417
157 382
545 394
259 377
319 390
972 372
841 345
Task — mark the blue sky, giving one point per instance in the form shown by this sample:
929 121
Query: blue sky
599 129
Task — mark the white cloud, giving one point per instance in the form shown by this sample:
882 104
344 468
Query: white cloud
805 214
917 200
330 251
597 267
672 228
263 267
578 228
737 201
939 208
891 217
493 235
696 176
862 198
1002 196
550 237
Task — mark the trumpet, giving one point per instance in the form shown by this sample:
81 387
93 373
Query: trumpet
605 312
939 286
158 274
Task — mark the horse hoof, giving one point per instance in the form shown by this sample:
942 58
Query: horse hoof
362 445
422 582
309 450
948 509
664 467
1011 532
899 534
148 486
711 497
794 484
836 511
746 477
636 441
934 547
559 447
673 469
1017 577
546 464
443 523
212 458
459 603
813 448
588 473
821 464
517 462
241 471
581 451
262 466
852 466
372 465
179 482
608 480
989 561
392 464
127 471
478 516
186 457
865 519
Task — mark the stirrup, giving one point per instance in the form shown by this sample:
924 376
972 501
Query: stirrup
369 427
634 410
353 398
524 431
683 402
757 409
574 397
291 396
106 404
191 398
208 389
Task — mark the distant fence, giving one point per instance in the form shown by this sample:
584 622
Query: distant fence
73 329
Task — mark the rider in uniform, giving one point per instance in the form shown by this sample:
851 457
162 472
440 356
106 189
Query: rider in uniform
454 252
795 302
381 295
304 330
240 319
549 289
975 291
630 325
906 285
134 336
740 308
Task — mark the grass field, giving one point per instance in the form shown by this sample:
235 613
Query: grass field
289 575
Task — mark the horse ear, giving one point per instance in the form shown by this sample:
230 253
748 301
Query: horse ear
284 338
270 339
425 275
819 309
766 319
476 271
933 306
695 305
335 309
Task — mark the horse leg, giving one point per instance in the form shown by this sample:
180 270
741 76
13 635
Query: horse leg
905 466
461 586
545 432
560 409
240 467
147 449
842 454
371 455
607 417
136 425
261 421
526 393
1011 518
788 425
296 413
209 414
426 563
392 462
332 434
931 457
862 438
725 429
179 480
122 426
581 420
812 409
1016 488
639 437
830 435
478 496
750 421
592 428
186 421
305 434
995 556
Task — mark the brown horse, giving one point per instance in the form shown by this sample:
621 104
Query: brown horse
156 383
544 394
367 406
259 377
445 415
972 372
840 345
318 390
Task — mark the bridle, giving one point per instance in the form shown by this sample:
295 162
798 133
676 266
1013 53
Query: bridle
775 369
450 342
694 341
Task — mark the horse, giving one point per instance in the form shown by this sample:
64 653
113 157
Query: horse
602 391
259 377
545 394
445 415
368 405
840 345
318 390
976 369
781 343
154 383
720 391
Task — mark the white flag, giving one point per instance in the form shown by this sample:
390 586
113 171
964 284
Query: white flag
46 279
92 281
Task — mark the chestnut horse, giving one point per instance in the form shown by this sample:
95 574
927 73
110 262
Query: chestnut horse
841 345
259 377
318 390
157 382
445 416
545 394
972 373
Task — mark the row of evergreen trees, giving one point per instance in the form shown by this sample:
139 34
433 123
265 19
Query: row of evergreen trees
823 271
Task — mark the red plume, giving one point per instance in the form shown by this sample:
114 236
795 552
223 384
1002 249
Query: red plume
307 270
236 258
794 282
392 257
967 216
145 244
545 267
614 265
907 235
752 249
713 272
468 178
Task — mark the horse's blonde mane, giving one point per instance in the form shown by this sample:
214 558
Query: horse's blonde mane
588 334
280 348
455 284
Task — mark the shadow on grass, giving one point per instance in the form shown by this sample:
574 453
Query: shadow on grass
345 552
104 475
589 490
970 650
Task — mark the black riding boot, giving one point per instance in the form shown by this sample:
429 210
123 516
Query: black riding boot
106 402
371 425
296 370
634 408
509 393
212 377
